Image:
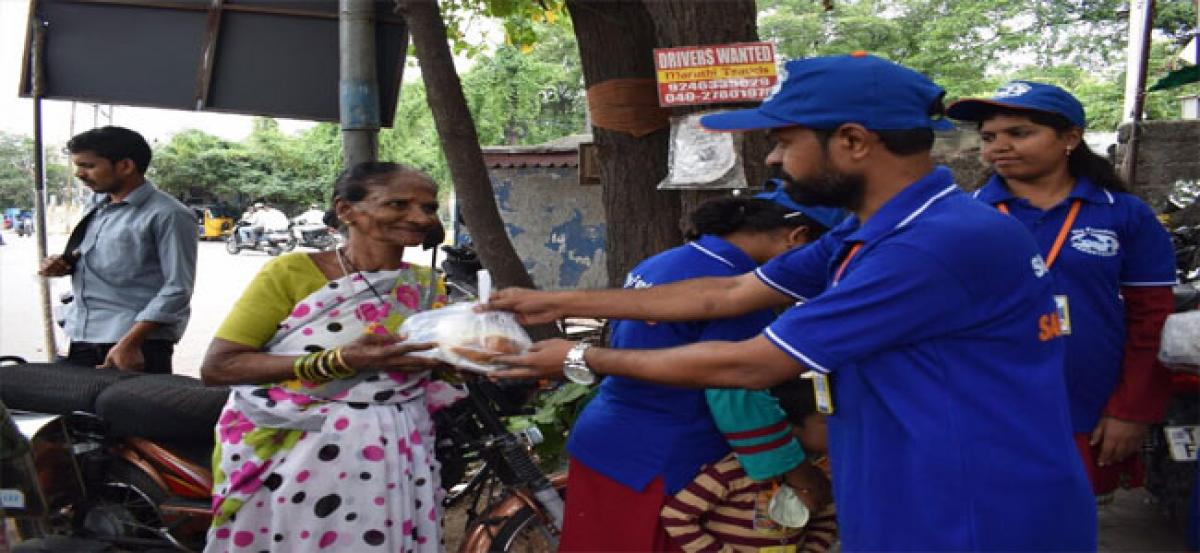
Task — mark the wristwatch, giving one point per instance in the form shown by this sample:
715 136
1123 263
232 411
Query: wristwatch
575 368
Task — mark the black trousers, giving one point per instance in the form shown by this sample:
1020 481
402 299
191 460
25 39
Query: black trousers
157 353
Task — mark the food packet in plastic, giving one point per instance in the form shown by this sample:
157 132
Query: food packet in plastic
1180 345
466 338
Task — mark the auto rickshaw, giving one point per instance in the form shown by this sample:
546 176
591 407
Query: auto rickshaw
214 221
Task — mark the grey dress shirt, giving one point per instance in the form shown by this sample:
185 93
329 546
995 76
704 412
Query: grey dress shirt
137 263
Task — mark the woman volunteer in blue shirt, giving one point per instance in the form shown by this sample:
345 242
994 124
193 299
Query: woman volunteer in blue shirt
1111 260
637 443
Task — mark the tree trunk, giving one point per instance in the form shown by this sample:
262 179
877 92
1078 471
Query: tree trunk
615 42
460 143
689 23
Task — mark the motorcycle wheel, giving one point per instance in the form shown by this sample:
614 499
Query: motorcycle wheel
524 531
290 244
123 506
274 250
231 246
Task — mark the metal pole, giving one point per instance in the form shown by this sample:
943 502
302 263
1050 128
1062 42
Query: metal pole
1129 167
38 33
358 90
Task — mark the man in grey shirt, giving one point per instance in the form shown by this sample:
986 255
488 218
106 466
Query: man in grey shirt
134 264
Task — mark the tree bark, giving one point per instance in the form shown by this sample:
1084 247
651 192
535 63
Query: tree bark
460 143
615 42
689 23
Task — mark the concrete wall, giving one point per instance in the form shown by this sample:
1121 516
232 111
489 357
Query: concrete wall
556 225
1168 154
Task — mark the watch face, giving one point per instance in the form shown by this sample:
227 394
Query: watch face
578 374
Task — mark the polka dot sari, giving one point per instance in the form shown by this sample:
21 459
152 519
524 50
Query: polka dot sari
343 466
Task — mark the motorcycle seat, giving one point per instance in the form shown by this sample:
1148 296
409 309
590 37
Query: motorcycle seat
167 407
55 388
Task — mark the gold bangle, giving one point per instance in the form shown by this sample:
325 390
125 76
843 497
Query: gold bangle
297 367
346 370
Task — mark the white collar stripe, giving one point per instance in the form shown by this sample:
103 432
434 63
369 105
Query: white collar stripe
775 285
926 205
712 255
1111 200
775 339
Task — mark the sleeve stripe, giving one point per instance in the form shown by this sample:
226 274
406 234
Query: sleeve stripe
1163 283
775 339
775 444
757 432
779 288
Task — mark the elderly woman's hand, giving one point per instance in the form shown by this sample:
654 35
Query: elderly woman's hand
388 352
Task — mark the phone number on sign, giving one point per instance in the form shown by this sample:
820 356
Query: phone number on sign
717 85
707 96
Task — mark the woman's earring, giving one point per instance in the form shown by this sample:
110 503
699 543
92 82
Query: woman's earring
1068 151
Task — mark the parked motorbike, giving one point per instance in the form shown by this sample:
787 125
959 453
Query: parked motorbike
460 269
319 237
271 242
1170 449
109 476
109 460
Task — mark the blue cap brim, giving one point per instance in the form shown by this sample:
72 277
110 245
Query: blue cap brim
743 120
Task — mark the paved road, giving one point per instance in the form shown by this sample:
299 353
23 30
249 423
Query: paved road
1131 523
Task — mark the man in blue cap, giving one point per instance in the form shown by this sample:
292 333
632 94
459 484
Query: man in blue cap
930 314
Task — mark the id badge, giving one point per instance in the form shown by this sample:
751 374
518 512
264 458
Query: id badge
1064 314
822 393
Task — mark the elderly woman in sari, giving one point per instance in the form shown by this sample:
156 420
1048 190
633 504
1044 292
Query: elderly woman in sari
326 441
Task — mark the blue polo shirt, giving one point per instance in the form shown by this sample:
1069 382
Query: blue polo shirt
1115 240
634 431
951 429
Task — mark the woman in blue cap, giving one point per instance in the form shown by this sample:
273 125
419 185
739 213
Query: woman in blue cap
1111 260
636 444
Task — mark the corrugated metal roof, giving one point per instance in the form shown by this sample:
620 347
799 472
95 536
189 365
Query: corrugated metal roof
497 160
563 152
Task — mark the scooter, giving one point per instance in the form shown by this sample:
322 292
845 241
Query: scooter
319 237
108 477
272 242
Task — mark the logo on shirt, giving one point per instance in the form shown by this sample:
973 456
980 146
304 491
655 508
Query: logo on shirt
1101 242
1012 90
635 281
1049 327
1039 266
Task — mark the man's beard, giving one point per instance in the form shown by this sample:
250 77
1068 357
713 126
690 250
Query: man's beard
827 188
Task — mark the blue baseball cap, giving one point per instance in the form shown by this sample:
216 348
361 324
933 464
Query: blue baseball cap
1022 95
826 92
828 216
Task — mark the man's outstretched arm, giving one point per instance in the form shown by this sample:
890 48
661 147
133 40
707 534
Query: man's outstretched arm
687 300
755 363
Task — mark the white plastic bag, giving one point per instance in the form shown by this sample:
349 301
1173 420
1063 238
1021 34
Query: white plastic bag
466 338
1180 346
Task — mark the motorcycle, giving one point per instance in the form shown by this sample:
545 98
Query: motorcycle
460 269
272 242
94 473
107 476
1170 449
319 237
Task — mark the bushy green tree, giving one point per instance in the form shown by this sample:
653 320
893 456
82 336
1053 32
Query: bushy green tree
16 171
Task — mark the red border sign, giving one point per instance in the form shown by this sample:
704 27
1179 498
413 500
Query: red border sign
715 74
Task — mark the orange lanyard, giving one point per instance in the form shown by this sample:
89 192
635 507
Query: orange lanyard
842 268
1062 232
